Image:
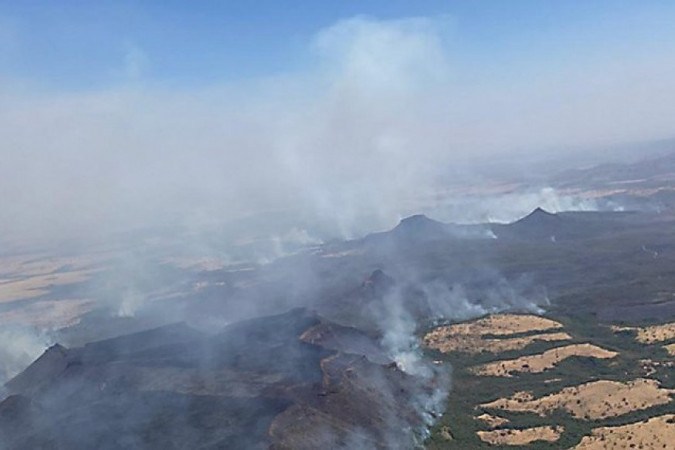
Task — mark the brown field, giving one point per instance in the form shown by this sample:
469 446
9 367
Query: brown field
654 433
204 263
521 437
651 334
492 421
48 314
541 362
473 344
41 264
471 337
591 401
30 276
29 265
670 348
500 325
38 285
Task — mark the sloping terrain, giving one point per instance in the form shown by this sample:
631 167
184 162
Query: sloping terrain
654 433
283 377
256 384
610 397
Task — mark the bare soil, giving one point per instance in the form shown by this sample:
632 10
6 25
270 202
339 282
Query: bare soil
543 361
591 401
492 421
654 433
521 437
651 334
501 324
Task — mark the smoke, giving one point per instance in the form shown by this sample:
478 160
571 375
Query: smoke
130 302
367 132
267 249
328 141
399 340
374 122
398 336
412 303
510 206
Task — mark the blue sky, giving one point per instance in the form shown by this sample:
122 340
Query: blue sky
83 44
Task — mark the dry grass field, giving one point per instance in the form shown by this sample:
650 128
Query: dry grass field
556 396
650 334
591 401
541 362
522 436
651 434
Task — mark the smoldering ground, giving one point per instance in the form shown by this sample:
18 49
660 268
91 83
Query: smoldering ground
379 118
19 346
386 309
359 139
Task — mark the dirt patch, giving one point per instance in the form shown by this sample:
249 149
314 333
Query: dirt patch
591 401
543 361
650 367
32 275
501 325
48 314
651 334
521 437
199 264
474 344
24 266
654 433
492 421
670 348
493 334
446 434
38 285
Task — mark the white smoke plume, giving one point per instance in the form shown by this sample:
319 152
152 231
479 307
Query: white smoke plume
400 325
354 139
130 301
359 138
19 346
509 207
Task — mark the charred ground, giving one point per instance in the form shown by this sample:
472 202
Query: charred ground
319 348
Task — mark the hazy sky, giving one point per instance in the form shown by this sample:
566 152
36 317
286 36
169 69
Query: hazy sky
121 113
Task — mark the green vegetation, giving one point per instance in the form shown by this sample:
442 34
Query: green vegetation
469 391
